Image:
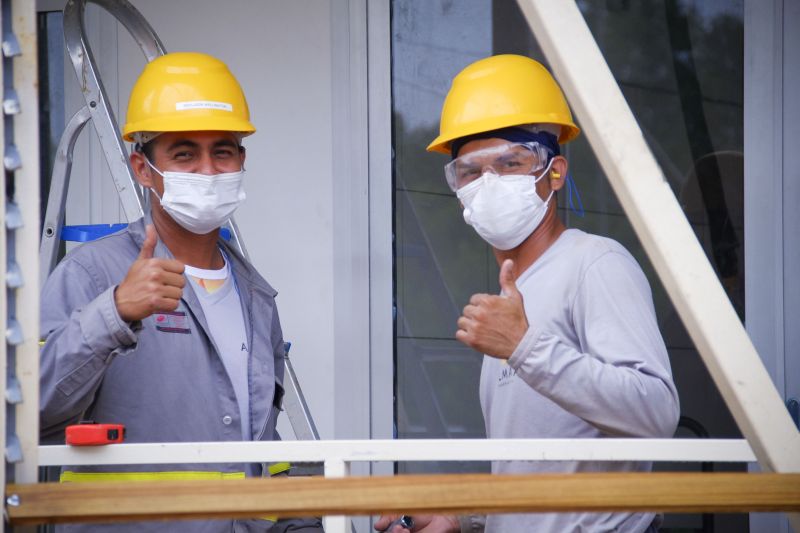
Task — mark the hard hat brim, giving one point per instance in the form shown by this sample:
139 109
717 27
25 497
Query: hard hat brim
198 123
441 144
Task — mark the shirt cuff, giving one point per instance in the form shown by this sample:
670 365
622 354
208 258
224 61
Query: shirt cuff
103 328
525 347
472 523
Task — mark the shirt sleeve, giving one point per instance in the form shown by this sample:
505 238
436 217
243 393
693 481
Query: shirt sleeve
82 332
619 379
473 523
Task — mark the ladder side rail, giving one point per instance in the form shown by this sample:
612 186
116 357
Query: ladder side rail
236 237
57 199
295 406
105 122
127 15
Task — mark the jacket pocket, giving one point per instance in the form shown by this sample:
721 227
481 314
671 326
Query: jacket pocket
272 418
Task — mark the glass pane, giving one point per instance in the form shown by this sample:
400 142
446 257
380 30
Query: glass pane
50 36
679 64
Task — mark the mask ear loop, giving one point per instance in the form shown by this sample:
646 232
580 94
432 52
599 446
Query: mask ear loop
572 190
147 205
152 166
544 173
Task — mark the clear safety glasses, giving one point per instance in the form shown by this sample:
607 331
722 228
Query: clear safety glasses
511 158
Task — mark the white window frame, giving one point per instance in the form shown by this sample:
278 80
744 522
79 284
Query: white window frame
772 194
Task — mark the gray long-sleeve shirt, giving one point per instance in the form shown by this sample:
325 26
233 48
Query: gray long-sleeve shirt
161 377
592 365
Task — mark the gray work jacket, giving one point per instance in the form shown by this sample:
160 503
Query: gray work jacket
162 377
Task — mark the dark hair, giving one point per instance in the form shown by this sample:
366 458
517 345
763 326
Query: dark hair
511 134
146 149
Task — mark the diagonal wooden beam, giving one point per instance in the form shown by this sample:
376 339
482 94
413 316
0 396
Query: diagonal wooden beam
146 500
664 231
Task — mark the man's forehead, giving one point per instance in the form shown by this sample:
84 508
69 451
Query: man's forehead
482 144
480 151
170 140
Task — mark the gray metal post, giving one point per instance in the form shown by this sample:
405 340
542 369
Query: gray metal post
19 300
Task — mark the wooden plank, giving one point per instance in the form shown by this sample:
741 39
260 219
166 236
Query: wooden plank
666 492
665 233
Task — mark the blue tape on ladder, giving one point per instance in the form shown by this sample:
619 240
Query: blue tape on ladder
90 232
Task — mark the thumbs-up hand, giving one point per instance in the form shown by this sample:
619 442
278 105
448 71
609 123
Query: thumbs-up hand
495 325
151 284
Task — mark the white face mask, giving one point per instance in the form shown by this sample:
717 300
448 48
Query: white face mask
504 210
201 203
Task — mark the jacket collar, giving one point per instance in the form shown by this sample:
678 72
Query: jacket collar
241 268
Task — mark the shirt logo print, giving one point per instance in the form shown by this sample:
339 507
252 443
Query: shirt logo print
172 322
506 375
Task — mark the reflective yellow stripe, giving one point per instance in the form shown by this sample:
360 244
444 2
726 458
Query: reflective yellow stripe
77 477
73 477
279 468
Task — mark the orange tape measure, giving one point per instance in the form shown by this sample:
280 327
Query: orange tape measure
91 434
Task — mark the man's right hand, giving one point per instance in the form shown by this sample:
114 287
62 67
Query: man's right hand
422 524
151 284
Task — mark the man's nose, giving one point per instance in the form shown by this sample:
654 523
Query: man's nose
206 164
488 168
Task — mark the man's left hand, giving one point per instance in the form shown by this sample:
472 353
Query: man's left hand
495 325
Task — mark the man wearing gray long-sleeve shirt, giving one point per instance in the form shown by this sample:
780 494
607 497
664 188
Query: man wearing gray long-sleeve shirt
572 344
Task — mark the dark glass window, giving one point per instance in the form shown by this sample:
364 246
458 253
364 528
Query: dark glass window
680 66
50 36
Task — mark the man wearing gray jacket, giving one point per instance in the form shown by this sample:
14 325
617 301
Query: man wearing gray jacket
164 327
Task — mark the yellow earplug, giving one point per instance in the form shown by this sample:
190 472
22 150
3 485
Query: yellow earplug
555 175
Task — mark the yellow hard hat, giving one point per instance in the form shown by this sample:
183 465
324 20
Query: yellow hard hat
186 91
499 92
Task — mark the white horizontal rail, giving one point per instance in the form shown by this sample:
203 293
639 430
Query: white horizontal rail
679 450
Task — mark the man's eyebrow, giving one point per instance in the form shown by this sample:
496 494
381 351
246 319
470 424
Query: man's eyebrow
509 156
225 142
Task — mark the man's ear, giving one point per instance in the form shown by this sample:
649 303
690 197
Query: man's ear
141 170
558 173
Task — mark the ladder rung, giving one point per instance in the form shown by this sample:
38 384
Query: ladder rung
91 232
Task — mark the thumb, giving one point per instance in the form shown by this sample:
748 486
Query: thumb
149 245
508 278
